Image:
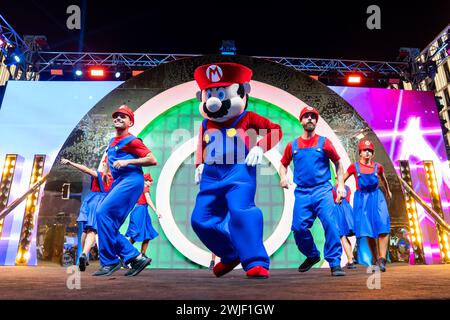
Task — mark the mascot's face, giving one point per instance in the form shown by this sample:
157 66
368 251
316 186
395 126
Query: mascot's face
223 103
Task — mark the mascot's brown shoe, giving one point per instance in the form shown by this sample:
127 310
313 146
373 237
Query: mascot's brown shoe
258 272
221 268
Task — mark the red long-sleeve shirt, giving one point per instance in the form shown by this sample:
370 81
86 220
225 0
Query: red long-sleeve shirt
142 199
271 133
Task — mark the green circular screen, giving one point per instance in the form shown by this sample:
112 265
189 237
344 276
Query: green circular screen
159 137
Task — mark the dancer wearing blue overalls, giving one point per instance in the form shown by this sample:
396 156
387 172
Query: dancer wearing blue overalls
227 157
126 156
311 154
100 184
140 228
371 214
343 214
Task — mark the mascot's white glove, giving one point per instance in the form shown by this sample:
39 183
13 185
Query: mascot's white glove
255 156
198 173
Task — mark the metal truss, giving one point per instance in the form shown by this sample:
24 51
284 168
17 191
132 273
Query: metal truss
437 49
322 66
46 60
41 61
10 35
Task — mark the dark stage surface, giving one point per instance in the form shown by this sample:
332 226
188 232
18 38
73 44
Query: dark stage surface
401 281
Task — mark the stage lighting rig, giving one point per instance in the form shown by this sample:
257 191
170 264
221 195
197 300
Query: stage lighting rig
228 48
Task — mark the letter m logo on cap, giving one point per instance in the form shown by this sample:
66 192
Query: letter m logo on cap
214 73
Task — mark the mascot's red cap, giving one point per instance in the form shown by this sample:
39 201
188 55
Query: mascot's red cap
308 110
125 110
365 144
221 74
148 177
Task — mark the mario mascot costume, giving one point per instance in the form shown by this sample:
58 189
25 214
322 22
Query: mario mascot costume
227 155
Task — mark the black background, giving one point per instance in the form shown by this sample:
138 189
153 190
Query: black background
315 29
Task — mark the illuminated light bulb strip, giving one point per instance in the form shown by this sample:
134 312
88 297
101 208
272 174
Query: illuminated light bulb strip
433 188
26 235
413 217
8 170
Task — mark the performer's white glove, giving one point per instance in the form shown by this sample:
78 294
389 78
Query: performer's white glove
341 193
198 173
255 156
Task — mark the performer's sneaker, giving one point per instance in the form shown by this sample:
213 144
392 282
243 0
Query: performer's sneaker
337 271
107 270
83 262
137 265
308 263
381 263
212 264
258 272
221 268
351 265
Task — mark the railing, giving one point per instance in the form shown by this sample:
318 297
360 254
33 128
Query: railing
437 218
18 201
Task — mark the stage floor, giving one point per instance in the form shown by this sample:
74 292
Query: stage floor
401 281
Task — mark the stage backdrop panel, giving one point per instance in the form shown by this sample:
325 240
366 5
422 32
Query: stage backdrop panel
71 119
37 118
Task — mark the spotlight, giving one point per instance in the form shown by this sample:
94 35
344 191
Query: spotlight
97 72
56 72
13 56
117 75
78 73
135 73
354 79
228 47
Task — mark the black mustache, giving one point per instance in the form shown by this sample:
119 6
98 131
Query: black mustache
223 111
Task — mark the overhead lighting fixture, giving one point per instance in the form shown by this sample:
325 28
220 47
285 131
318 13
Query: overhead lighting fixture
97 72
354 79
56 72
135 73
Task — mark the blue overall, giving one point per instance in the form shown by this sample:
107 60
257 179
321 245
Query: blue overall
369 206
140 227
313 198
87 219
91 203
343 214
125 191
228 185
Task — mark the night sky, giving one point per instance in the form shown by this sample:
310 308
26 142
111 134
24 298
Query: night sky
315 29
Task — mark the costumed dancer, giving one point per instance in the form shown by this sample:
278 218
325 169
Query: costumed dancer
100 184
311 154
227 155
343 214
126 157
371 216
140 228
